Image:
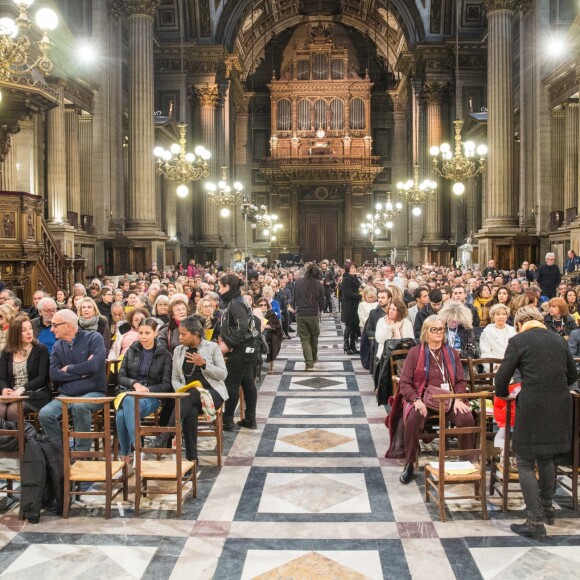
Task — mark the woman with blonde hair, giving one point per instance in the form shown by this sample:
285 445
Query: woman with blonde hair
91 319
459 328
7 314
495 336
207 311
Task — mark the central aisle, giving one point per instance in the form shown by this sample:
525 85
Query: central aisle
306 495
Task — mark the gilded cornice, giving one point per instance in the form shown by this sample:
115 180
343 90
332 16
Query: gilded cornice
511 5
140 7
435 92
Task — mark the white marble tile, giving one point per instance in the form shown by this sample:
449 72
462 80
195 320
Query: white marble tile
318 421
321 366
318 407
330 564
407 501
52 560
318 530
246 442
315 461
426 559
329 493
330 440
198 559
229 484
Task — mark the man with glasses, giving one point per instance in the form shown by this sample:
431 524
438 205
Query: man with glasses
549 276
41 326
77 365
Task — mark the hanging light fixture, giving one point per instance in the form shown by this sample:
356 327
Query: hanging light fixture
269 224
461 164
417 194
384 217
15 45
176 164
224 195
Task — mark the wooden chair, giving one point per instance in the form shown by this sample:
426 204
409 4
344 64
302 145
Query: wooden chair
500 476
215 429
19 452
91 466
180 471
242 403
397 361
435 477
574 471
484 380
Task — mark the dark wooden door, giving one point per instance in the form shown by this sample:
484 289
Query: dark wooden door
320 235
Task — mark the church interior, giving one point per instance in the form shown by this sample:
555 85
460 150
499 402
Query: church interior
140 133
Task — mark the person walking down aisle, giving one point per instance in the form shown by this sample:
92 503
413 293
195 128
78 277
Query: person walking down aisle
238 343
309 303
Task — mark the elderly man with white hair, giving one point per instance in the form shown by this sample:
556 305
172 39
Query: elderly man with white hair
549 276
41 328
77 366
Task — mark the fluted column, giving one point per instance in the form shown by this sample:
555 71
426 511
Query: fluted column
73 163
56 161
86 158
433 94
8 172
142 213
501 201
571 155
558 130
208 99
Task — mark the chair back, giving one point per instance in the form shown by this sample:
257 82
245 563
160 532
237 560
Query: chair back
19 433
482 373
397 362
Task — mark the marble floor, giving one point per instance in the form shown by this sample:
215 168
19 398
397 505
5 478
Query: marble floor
308 494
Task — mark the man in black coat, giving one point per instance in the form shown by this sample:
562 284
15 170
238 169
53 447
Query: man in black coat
329 283
368 345
350 298
543 421
435 304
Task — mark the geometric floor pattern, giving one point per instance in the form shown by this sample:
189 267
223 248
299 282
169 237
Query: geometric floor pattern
308 494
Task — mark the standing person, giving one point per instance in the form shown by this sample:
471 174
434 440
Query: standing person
309 302
329 284
350 297
549 276
77 364
238 343
543 423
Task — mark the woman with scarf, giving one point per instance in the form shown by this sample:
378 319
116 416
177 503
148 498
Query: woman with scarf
90 319
127 332
199 364
558 318
459 329
482 303
238 342
271 330
543 423
169 334
433 362
212 317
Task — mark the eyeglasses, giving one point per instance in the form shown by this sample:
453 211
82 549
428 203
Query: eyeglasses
435 329
262 305
53 325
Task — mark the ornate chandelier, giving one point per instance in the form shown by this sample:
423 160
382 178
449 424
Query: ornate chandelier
459 166
384 216
269 224
224 195
415 193
177 165
15 44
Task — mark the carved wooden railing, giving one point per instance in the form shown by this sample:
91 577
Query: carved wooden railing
55 270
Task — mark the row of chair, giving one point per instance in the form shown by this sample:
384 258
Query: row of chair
481 386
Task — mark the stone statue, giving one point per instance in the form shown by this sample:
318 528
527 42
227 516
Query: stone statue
466 253
394 256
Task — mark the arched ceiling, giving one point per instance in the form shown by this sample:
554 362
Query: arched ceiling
247 26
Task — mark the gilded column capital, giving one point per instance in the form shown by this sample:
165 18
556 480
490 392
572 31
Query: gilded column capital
140 7
511 5
206 95
435 92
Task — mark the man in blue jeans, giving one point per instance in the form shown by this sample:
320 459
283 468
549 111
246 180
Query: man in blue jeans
77 365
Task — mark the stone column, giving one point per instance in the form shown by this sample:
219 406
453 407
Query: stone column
56 161
86 157
558 130
208 99
73 163
433 94
142 213
501 201
571 155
